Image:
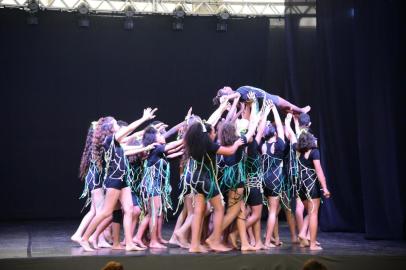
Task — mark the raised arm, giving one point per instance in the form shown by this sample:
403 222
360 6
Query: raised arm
231 113
216 115
297 126
133 150
229 150
124 131
278 123
261 127
288 129
135 135
173 145
176 128
237 115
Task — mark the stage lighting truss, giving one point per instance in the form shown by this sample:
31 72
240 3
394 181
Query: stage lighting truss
236 8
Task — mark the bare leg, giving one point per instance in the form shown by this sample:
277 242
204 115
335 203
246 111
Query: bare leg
127 206
111 198
303 231
154 208
234 202
199 210
160 225
181 219
255 217
116 236
77 236
136 214
286 105
272 212
299 213
214 240
242 230
141 231
182 232
292 226
313 224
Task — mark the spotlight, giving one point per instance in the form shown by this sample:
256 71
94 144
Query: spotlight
179 12
129 12
33 8
83 10
178 15
222 16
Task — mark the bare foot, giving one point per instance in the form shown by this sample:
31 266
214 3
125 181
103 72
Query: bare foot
174 240
104 244
156 245
139 242
217 246
198 249
93 242
260 246
317 242
182 240
306 109
163 241
76 238
117 247
315 247
247 248
86 246
134 248
294 240
232 239
303 242
269 245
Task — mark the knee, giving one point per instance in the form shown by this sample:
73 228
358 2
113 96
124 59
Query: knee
136 211
128 210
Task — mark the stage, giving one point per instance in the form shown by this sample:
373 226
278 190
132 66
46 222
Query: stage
46 245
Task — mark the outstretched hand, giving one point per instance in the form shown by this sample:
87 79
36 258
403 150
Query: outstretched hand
149 113
251 96
288 118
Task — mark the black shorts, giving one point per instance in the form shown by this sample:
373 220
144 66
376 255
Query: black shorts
115 183
136 200
254 196
314 193
272 187
204 185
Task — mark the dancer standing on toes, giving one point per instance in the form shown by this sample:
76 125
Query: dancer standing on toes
311 178
107 143
272 164
260 94
199 144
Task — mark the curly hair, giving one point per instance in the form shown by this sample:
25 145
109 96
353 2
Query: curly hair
87 153
196 140
228 134
306 142
104 128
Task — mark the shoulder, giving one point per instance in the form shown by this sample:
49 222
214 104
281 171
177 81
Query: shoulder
315 154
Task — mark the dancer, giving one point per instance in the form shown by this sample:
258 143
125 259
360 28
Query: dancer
254 189
107 143
93 187
260 94
233 176
199 143
311 177
155 185
272 164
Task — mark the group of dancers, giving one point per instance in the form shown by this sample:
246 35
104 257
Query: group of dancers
231 166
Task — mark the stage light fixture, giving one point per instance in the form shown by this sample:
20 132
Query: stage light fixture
33 8
178 15
129 12
222 16
83 10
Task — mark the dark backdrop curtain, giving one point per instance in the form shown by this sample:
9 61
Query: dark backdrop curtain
359 84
